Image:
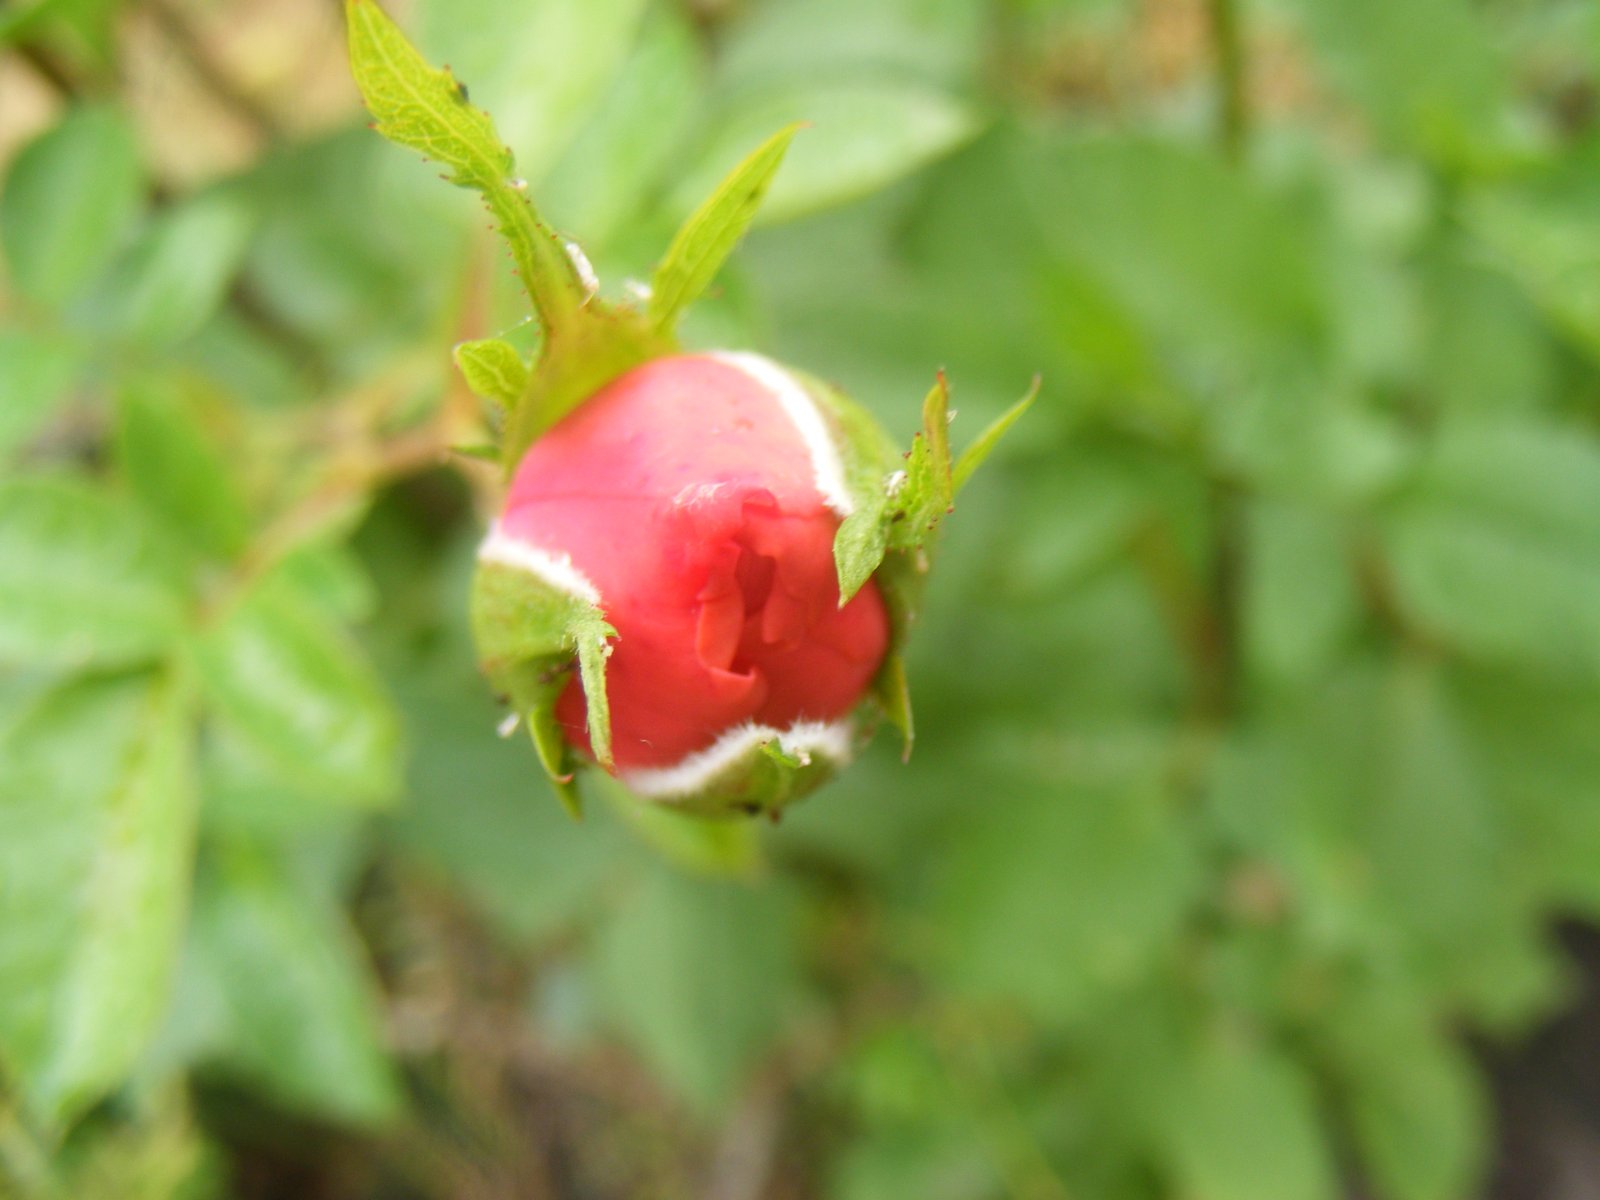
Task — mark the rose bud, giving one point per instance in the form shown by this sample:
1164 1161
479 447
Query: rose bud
694 501
705 565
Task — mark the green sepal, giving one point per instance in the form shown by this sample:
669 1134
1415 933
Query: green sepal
555 756
764 780
892 690
704 241
973 456
424 108
529 635
493 369
593 650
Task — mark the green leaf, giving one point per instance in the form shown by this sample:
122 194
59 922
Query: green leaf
983 445
1242 1124
427 110
37 373
613 168
176 275
97 820
705 240
476 811
1299 595
1416 1106
593 650
71 197
1496 545
1203 257
859 546
299 1006
176 470
698 974
1064 892
289 682
494 370
82 580
1429 72
861 135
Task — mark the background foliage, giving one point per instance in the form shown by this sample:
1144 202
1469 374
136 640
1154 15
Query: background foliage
1257 696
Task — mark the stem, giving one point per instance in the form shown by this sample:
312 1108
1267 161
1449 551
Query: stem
1233 114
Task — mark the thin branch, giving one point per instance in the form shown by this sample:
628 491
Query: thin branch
1233 110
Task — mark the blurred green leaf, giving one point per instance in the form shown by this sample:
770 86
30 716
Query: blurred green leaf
1243 1124
82 579
289 682
175 276
175 469
1213 263
700 975
37 372
625 149
540 66
71 197
98 808
1496 543
1058 892
1428 72
1417 1111
1300 596
299 1005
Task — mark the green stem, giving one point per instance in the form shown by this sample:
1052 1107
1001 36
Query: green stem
542 260
1233 113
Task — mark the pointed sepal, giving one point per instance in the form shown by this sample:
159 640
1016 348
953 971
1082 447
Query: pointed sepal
704 241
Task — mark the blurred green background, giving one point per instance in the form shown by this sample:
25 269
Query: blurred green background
1251 848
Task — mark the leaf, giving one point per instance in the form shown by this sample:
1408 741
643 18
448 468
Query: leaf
82 579
613 167
698 974
592 637
97 819
427 110
174 278
37 373
1066 891
290 684
861 135
1299 594
1495 547
705 240
1203 257
176 470
71 197
476 812
859 546
1242 1124
1429 72
494 370
300 1007
1416 1106
983 445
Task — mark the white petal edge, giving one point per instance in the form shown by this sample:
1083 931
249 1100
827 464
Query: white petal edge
802 739
555 569
827 469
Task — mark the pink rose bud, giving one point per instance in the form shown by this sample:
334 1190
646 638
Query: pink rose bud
694 501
